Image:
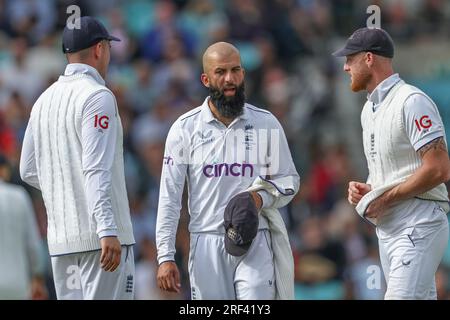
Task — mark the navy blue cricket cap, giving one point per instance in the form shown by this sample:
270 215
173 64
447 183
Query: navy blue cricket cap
241 223
374 40
89 33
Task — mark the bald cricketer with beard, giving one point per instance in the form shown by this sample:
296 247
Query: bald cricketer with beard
220 148
406 151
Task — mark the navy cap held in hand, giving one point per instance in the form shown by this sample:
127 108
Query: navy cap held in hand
241 223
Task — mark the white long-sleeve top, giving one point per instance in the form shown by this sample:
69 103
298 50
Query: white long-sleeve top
217 162
21 248
83 172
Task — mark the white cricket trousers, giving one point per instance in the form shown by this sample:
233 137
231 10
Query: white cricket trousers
410 259
79 276
216 275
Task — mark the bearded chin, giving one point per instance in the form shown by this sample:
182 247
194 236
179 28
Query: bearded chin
356 86
360 82
228 107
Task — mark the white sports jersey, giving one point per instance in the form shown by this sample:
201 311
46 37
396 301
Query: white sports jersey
98 156
218 162
422 124
73 153
422 121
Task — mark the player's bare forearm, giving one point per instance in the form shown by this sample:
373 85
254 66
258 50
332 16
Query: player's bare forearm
435 170
437 144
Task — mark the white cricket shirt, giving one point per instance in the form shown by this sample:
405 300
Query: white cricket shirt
422 124
72 152
217 162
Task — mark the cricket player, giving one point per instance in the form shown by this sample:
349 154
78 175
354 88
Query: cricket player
22 265
220 148
72 151
406 152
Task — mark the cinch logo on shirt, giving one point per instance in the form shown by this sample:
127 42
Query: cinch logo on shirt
423 123
103 122
168 160
235 170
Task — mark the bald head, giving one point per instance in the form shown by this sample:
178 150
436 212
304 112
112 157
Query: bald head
223 75
219 51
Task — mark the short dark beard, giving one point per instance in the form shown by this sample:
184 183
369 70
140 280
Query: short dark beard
228 107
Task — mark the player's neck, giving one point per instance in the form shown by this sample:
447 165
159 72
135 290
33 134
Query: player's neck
378 78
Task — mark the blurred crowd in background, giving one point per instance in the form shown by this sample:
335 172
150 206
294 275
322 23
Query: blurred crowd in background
285 47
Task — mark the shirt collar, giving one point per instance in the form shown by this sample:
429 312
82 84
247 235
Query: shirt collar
377 96
208 116
76 68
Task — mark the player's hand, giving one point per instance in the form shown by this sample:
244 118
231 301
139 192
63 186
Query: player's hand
111 252
38 289
356 190
168 277
257 199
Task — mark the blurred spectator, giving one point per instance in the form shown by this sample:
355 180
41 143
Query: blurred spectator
8 142
32 19
143 91
146 286
173 76
18 76
46 60
278 22
320 263
122 51
16 114
4 23
205 19
165 29
321 191
245 20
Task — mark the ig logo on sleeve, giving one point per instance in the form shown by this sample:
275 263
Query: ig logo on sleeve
423 123
102 122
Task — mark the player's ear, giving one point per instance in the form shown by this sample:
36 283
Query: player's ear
205 80
98 49
369 59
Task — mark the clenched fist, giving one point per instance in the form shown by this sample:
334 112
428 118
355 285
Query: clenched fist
356 190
